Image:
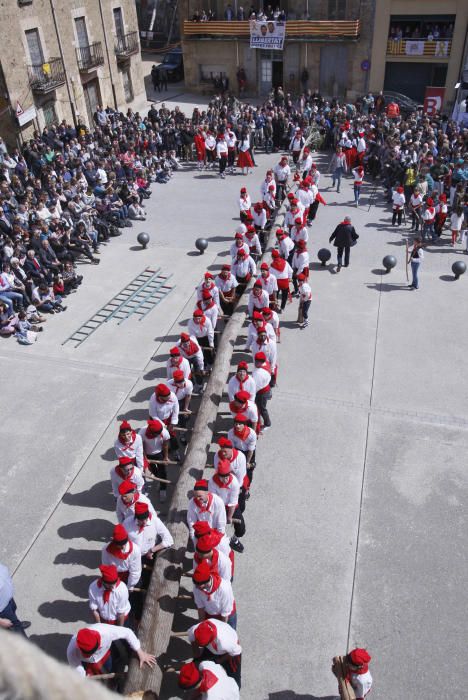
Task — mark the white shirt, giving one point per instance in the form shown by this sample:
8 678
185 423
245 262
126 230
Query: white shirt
118 603
154 532
245 203
252 334
282 172
265 187
253 244
229 494
226 285
285 246
226 641
132 564
219 602
269 283
262 378
154 445
305 292
116 480
259 218
361 683
134 450
238 464
221 148
109 634
300 260
234 249
225 688
123 511
215 515
268 347
198 354
183 365
246 445
257 302
242 268
224 565
212 289
398 200
164 411
234 386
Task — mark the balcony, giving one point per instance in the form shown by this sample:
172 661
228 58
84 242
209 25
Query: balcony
419 48
339 30
89 56
46 77
126 45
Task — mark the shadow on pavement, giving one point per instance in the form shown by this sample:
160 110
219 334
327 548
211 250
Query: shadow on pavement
98 496
96 530
66 611
378 271
53 644
78 585
447 278
90 558
378 287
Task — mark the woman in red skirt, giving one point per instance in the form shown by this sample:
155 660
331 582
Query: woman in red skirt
244 159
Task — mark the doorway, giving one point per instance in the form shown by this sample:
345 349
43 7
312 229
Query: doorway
271 71
333 71
92 96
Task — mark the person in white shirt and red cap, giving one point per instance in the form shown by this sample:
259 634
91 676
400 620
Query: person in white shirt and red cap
200 326
244 439
269 201
241 381
264 343
253 241
126 470
243 403
208 681
244 203
269 283
210 149
239 244
305 297
285 245
182 389
124 555
243 268
295 211
271 318
307 162
108 597
91 651
156 440
262 376
398 199
128 444
209 284
282 270
299 231
192 351
266 184
226 284
296 144
216 640
163 406
202 527
205 506
238 465
175 362
207 304
258 321
306 196
221 154
282 173
147 531
225 485
358 177
357 662
205 550
259 217
213 596
258 298
231 140
361 149
300 263
127 498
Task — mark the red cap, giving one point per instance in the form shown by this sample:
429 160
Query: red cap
175 351
258 284
275 253
123 461
260 357
400 190
155 425
267 311
271 187
125 425
243 365
279 232
241 253
359 657
208 276
189 676
240 418
141 510
291 195
201 485
127 486
162 390
202 573
88 640
301 277
224 441
242 396
250 229
201 527
264 266
198 313
301 243
206 294
178 376
224 465
298 220
205 633
261 329
206 543
257 316
119 534
184 337
109 574
243 189
430 202
226 267
442 197
239 236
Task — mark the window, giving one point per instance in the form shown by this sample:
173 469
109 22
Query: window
34 47
81 32
266 71
127 84
118 22
336 9
50 115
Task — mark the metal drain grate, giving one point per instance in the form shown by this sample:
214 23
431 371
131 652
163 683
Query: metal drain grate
139 297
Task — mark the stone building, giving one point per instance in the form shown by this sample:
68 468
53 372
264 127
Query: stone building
61 59
331 38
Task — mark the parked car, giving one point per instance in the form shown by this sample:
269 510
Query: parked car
173 64
406 104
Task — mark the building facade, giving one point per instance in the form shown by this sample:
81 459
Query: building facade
61 60
332 39
419 44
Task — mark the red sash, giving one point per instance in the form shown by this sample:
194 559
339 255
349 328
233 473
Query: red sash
96 668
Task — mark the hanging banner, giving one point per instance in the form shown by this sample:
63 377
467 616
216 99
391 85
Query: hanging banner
433 99
414 48
267 35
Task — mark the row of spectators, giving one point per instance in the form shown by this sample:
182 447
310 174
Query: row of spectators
430 31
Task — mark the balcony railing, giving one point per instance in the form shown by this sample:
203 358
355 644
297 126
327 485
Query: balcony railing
419 48
89 56
338 30
46 77
126 45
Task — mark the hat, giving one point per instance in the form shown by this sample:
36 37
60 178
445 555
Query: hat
226 268
224 465
266 311
290 195
442 198
271 187
127 486
359 657
119 534
201 485
243 365
298 220
264 266
202 573
400 190
261 329
257 316
241 253
88 640
258 284
178 376
430 202
109 573
224 441
125 425
155 425
275 253
205 633
260 357
208 276
123 461
175 351
240 418
301 277
301 243
243 189
201 527
250 229
184 337
205 543
279 232
198 313
189 675
242 396
239 235
206 294
162 390
141 510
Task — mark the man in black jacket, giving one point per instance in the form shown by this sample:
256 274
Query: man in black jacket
344 236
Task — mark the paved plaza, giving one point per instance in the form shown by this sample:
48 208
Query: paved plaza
356 527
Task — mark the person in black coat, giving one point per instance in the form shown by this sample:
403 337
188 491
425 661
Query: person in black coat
344 236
